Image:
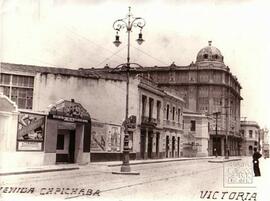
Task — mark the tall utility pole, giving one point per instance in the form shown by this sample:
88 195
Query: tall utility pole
127 23
215 146
227 133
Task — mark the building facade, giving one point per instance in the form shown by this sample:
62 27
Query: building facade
72 116
173 125
196 134
250 130
207 86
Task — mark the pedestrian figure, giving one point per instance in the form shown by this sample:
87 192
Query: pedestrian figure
215 151
256 168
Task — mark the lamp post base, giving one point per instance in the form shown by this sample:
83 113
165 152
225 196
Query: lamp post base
126 173
125 168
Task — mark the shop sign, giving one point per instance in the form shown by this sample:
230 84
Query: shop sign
30 131
69 111
69 119
29 146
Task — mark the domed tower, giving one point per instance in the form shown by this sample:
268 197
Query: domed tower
209 54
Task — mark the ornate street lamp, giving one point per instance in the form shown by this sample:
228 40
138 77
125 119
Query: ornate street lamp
127 23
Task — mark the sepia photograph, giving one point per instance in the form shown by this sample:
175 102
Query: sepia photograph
125 100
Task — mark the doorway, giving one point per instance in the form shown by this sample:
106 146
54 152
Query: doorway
173 146
65 146
150 144
143 134
157 145
167 146
217 146
178 146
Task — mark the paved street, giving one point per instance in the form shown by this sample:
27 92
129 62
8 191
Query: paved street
164 181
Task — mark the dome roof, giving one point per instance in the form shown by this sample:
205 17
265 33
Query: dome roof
209 53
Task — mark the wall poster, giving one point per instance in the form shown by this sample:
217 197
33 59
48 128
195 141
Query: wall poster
105 137
30 132
98 137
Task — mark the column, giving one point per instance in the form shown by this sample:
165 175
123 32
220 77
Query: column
146 143
222 146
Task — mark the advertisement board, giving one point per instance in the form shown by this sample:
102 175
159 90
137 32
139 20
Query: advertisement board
30 132
98 137
105 137
113 138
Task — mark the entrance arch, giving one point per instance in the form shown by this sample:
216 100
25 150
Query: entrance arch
68 132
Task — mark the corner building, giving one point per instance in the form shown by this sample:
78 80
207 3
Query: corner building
207 86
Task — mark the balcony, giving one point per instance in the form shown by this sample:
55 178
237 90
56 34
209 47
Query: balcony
172 124
148 121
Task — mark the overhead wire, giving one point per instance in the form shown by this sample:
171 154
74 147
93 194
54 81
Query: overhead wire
149 55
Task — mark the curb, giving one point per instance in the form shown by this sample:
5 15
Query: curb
38 171
225 161
161 161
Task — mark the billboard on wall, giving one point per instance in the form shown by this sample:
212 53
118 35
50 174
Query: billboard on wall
30 132
105 137
113 138
98 137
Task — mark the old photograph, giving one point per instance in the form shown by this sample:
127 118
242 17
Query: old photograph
128 100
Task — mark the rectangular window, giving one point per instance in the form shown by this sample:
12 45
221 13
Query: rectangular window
173 113
19 89
158 109
167 112
5 79
192 125
151 105
60 142
178 115
242 132
183 124
203 92
143 105
250 133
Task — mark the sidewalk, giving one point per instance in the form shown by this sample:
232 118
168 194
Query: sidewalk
221 159
66 167
30 170
150 161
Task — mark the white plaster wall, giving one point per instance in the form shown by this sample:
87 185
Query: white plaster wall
8 131
21 159
49 159
103 99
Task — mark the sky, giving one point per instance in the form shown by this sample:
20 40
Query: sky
79 34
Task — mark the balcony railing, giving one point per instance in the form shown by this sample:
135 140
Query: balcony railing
172 124
149 121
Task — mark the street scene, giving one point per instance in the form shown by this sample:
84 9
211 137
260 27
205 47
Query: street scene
185 180
124 100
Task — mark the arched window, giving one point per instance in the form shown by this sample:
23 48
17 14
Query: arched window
205 56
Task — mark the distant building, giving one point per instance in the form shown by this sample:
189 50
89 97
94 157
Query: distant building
196 134
265 142
250 130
